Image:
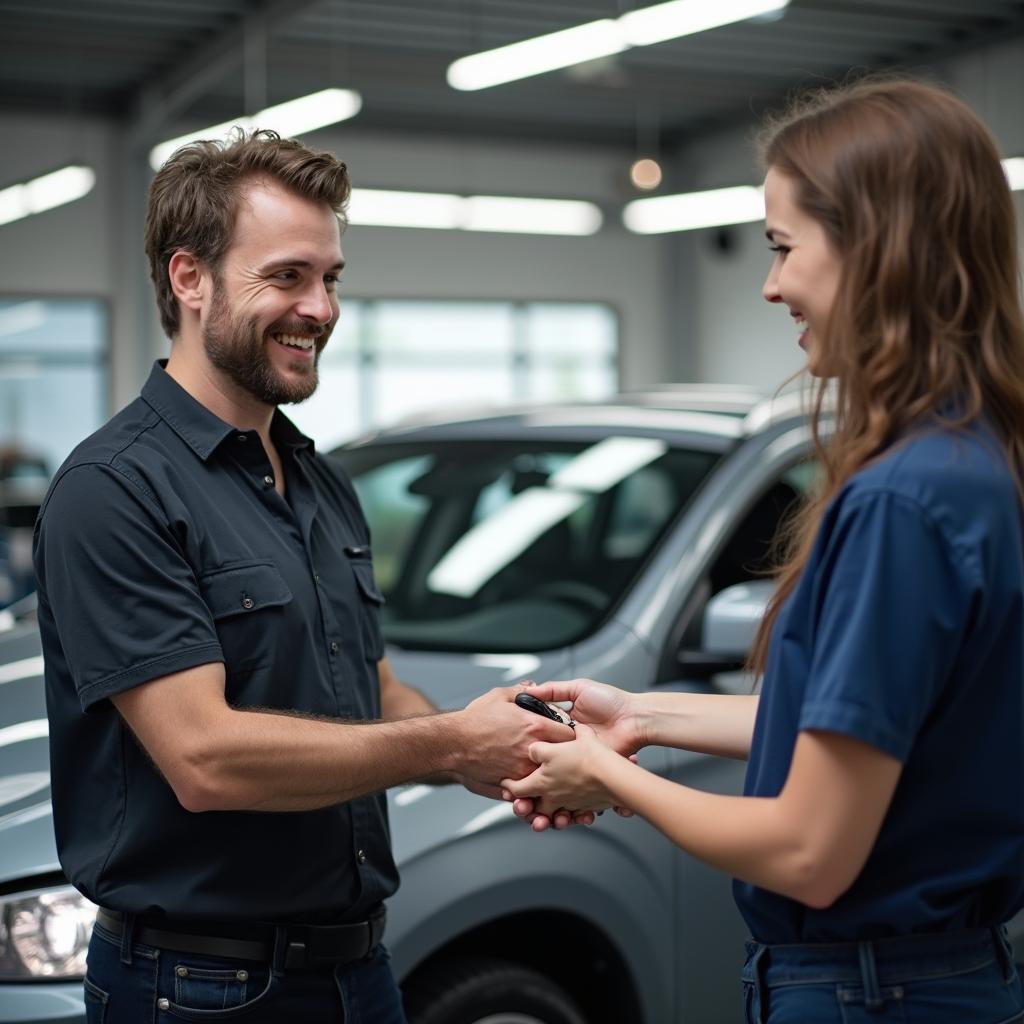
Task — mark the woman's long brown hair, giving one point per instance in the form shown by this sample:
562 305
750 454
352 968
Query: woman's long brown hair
907 183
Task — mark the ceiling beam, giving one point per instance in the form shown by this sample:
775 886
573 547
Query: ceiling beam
164 98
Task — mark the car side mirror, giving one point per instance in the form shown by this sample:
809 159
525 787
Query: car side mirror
728 628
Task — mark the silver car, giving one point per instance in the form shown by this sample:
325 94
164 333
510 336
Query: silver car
623 541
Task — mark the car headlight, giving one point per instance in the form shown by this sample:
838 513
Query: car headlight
44 934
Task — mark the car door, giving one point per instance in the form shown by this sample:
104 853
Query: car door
709 930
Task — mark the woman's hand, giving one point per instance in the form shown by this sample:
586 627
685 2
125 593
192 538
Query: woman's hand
569 775
612 714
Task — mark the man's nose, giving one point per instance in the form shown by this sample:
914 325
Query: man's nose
316 303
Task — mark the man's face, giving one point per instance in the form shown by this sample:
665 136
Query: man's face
274 301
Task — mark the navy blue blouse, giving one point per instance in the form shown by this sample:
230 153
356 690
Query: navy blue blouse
906 632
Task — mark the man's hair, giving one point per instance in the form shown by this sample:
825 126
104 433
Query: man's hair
193 200
927 324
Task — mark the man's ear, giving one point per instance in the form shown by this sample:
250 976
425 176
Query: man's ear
188 277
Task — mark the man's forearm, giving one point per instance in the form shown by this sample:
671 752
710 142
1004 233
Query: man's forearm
266 761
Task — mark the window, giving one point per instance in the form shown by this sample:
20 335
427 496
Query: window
392 359
53 393
515 545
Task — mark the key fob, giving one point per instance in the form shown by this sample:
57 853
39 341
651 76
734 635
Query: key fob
538 707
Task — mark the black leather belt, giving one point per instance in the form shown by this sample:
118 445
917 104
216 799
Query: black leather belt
306 946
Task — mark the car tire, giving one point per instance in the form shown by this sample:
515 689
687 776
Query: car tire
485 990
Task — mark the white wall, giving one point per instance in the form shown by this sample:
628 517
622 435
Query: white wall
734 336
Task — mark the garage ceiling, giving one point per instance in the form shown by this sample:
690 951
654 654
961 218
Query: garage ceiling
166 66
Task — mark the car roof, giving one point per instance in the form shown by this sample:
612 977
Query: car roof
724 412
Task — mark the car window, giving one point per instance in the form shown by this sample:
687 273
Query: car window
750 552
511 546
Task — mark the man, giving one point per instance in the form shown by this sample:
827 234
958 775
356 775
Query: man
223 718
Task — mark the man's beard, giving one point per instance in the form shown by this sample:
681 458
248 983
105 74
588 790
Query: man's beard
236 348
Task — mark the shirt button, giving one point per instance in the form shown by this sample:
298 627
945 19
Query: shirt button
247 603
316 577
361 856
334 647
268 480
243 437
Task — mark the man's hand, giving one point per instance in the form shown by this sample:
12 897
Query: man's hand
497 736
611 713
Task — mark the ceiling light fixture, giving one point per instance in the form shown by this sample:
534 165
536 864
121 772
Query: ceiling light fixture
645 173
295 117
449 212
45 192
602 38
691 210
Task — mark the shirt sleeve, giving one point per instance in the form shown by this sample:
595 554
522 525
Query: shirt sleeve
893 601
124 600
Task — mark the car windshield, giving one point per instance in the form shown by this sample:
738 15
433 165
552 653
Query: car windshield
505 546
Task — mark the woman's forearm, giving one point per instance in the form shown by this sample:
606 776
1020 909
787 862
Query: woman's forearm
720 724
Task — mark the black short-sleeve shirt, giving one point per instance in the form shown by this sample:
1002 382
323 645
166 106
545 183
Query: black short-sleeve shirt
161 545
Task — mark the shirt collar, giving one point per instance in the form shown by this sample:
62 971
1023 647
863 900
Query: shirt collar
199 428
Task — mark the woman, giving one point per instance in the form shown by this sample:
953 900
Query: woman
879 844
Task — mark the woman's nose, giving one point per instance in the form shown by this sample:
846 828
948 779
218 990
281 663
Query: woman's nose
770 289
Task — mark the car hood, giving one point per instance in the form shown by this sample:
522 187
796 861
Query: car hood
453 680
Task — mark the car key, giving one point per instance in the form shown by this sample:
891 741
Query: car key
538 707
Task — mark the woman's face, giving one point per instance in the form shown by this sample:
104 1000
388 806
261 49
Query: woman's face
805 272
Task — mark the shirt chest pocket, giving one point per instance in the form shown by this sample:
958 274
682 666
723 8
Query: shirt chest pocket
370 599
247 601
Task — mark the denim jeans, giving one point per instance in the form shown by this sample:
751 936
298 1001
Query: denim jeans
130 983
948 978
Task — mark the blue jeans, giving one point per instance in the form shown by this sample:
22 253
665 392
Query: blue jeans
130 983
945 978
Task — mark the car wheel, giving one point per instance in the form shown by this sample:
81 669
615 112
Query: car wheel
479 990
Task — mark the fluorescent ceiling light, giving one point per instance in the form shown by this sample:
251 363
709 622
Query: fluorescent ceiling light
446 211
1014 168
688 17
602 38
46 192
535 56
296 117
690 210
721 206
531 216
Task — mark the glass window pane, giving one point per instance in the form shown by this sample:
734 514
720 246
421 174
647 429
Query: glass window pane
435 329
588 330
46 409
399 390
49 326
333 414
560 379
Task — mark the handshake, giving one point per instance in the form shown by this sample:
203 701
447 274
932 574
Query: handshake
556 773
